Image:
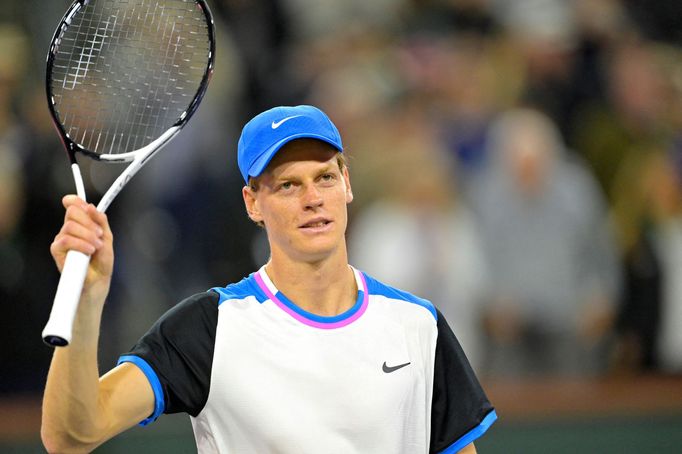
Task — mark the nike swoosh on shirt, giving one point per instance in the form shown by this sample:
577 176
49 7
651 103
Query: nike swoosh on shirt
389 369
277 124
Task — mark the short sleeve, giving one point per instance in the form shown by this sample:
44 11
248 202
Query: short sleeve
460 411
176 355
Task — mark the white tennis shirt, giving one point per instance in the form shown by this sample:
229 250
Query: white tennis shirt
258 374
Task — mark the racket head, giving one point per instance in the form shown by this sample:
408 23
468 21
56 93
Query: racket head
121 73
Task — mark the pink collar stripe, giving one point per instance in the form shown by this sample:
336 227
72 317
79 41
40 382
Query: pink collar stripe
313 320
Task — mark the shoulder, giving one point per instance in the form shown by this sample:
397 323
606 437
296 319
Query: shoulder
395 295
247 287
207 298
197 310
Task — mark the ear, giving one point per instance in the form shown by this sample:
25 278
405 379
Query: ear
251 203
349 190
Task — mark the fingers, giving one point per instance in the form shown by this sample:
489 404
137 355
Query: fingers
96 216
77 236
85 229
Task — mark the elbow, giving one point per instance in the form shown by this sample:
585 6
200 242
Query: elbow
56 442
52 442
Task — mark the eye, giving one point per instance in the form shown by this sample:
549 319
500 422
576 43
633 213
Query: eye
285 186
327 177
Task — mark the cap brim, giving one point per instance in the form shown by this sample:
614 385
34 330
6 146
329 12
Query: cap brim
264 159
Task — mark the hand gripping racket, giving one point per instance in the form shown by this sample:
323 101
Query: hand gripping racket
123 77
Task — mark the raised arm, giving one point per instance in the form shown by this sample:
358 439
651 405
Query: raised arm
80 409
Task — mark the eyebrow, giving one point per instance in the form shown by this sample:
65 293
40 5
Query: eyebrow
330 166
327 168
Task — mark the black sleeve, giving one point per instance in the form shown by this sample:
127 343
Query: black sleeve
459 405
179 349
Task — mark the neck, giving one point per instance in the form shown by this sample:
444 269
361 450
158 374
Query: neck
324 288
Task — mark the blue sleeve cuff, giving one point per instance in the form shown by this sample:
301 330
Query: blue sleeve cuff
472 435
159 403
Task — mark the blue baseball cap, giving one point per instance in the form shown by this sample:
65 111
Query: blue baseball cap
267 132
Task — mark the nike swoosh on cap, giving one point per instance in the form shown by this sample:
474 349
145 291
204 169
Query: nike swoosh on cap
277 124
389 369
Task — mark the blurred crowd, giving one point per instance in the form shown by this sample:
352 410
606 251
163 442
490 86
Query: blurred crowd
518 162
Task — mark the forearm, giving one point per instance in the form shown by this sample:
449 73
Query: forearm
77 413
73 419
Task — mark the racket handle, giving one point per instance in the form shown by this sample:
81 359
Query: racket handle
58 330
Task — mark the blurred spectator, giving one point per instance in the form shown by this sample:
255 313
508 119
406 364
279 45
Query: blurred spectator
648 208
633 118
451 61
418 236
547 37
626 142
553 264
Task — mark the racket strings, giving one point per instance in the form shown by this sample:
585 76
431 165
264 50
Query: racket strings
126 71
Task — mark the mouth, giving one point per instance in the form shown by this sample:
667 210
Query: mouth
316 224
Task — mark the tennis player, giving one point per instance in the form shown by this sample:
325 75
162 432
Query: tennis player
307 354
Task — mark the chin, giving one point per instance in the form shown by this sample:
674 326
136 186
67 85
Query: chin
316 251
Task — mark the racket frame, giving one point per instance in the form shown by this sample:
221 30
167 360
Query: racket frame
58 330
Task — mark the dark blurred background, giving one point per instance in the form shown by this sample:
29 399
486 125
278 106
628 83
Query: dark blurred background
517 162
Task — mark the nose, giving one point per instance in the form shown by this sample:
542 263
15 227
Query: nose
312 197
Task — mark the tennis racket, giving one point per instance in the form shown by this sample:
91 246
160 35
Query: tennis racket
123 77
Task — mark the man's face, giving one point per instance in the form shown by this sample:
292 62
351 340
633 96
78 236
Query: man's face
301 198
